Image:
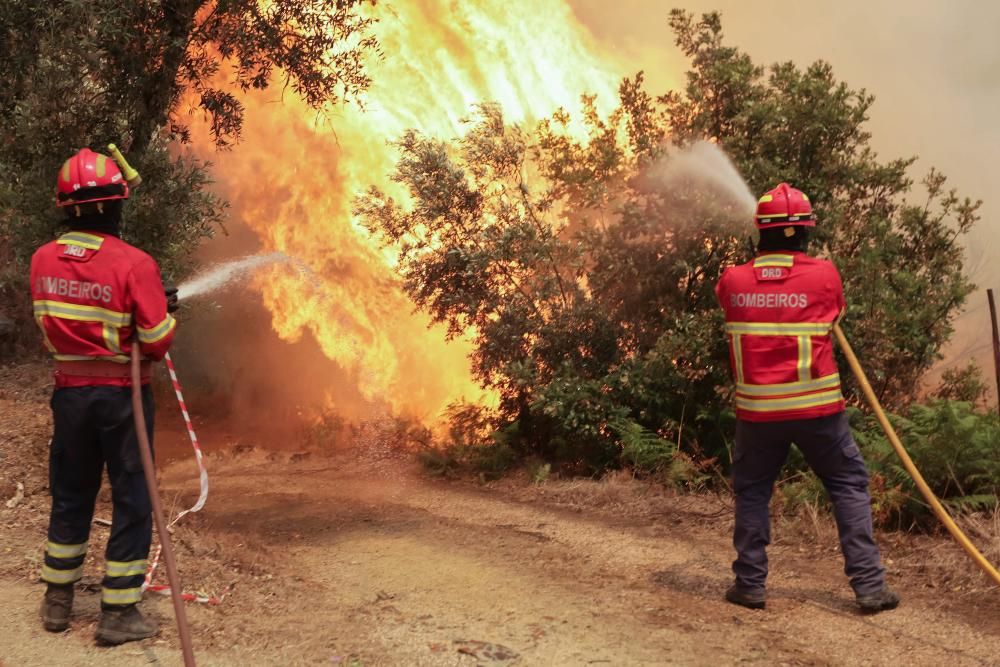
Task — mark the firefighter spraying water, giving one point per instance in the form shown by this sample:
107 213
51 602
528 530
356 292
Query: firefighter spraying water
783 310
780 308
100 303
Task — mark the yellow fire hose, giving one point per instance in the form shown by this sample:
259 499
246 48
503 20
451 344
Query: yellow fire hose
925 490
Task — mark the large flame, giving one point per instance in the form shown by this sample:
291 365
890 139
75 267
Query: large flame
294 176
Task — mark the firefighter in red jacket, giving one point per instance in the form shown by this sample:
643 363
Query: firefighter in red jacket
780 309
94 296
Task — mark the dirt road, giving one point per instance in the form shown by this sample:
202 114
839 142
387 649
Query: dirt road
336 560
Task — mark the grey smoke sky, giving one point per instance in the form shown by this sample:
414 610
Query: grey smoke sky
933 66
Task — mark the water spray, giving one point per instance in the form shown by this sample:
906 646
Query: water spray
224 273
706 165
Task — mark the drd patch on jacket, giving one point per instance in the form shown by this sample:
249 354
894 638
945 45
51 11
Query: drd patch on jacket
771 272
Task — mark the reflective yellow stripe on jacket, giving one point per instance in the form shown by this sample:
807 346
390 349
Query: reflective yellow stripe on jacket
787 388
780 328
82 239
802 393
74 311
790 403
158 332
783 261
117 358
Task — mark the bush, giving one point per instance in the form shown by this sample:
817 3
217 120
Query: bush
653 455
641 449
585 274
474 444
488 462
954 447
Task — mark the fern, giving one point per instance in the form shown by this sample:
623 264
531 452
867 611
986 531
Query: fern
979 502
954 447
641 448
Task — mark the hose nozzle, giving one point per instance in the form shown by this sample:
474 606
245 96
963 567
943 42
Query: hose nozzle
131 175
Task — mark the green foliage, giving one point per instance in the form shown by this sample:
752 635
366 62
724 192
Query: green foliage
539 472
964 384
803 489
642 449
88 73
651 454
473 444
489 462
443 462
492 461
588 281
953 446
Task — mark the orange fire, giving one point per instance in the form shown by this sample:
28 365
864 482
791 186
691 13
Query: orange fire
294 177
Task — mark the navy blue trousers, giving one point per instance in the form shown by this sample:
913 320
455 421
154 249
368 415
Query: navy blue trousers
94 430
830 450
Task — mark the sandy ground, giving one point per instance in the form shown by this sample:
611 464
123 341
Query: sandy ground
360 559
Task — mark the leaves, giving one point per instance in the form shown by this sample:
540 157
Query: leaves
952 445
587 279
87 73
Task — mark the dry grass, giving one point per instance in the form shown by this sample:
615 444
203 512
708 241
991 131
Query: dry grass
619 493
949 566
932 561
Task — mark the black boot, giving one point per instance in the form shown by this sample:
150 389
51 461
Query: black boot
873 603
120 624
56 607
745 597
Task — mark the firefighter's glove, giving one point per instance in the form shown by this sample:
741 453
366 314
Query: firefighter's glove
170 290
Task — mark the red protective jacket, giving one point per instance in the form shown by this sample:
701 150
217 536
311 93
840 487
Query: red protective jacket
780 309
91 292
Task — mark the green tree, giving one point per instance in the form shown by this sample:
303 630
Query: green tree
588 282
87 73
902 263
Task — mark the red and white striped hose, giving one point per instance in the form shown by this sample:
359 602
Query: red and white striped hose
202 496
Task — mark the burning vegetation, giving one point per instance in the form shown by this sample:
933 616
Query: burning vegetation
494 222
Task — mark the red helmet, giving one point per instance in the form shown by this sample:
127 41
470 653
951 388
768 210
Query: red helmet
784 206
89 177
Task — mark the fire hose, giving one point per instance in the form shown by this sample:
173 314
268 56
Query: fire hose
154 497
908 464
199 504
149 471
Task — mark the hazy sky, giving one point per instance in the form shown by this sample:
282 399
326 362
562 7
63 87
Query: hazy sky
934 68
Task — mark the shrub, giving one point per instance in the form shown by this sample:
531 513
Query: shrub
954 447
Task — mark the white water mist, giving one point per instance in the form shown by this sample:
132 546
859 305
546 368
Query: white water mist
222 274
707 167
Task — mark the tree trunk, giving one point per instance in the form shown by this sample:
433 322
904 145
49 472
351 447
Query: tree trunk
157 96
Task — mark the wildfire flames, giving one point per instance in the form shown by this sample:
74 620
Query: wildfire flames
294 177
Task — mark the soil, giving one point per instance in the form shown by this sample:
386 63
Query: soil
359 558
